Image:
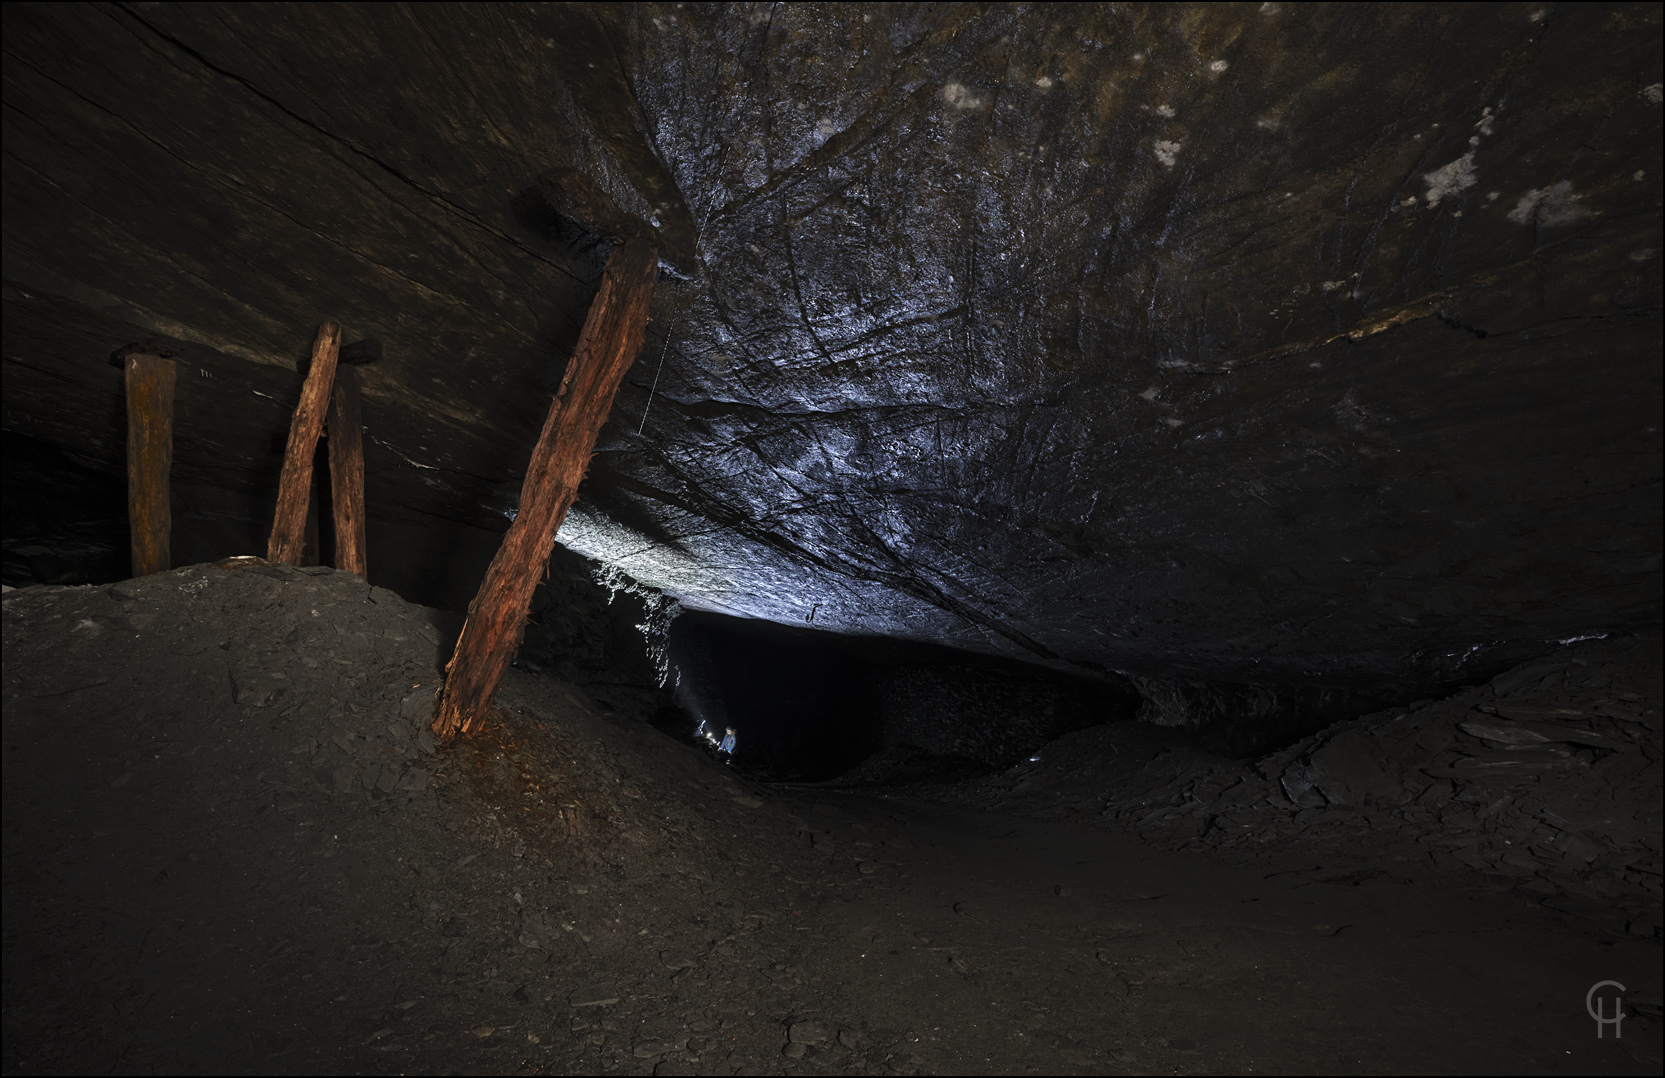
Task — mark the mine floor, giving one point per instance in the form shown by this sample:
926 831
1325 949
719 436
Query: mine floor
230 847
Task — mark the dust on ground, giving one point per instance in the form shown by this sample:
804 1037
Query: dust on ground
230 846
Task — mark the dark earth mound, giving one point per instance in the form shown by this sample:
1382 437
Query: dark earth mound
229 848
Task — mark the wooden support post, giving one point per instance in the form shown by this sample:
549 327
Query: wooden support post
608 345
150 384
310 550
295 483
346 475
322 502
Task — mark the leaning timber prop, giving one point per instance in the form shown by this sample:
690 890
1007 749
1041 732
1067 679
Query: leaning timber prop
338 464
608 345
288 539
150 374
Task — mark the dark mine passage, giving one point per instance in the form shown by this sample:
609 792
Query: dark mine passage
809 706
832 538
797 711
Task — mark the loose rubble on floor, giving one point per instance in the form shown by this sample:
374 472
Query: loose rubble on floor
1547 779
231 844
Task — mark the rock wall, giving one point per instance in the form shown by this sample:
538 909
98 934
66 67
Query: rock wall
1237 719
1230 343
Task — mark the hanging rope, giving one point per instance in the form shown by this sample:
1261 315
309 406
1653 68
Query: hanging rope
651 389
671 332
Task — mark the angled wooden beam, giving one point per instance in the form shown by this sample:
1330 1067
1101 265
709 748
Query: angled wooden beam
345 492
295 483
150 376
607 347
335 532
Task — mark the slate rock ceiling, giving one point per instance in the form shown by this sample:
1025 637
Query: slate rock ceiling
1256 340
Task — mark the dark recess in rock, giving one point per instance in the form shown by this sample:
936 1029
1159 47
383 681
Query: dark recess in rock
811 706
50 539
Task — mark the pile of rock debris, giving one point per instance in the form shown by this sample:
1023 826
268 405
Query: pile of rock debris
1547 779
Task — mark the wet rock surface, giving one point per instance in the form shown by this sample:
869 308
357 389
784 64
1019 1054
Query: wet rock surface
229 848
1248 343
